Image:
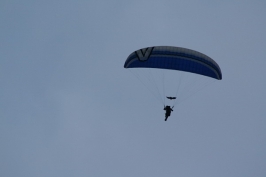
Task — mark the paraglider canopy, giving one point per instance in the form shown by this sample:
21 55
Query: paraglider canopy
172 74
174 58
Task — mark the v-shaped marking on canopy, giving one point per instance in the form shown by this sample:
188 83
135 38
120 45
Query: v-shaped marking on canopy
144 54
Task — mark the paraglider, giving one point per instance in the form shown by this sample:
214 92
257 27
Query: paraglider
174 59
168 111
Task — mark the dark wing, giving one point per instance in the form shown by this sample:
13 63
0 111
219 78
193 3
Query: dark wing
171 98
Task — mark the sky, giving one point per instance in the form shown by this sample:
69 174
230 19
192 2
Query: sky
68 107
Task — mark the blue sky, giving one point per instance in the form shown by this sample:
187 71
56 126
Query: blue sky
69 108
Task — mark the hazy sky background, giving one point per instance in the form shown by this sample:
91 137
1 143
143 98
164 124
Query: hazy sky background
69 108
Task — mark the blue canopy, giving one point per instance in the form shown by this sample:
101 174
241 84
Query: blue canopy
175 58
